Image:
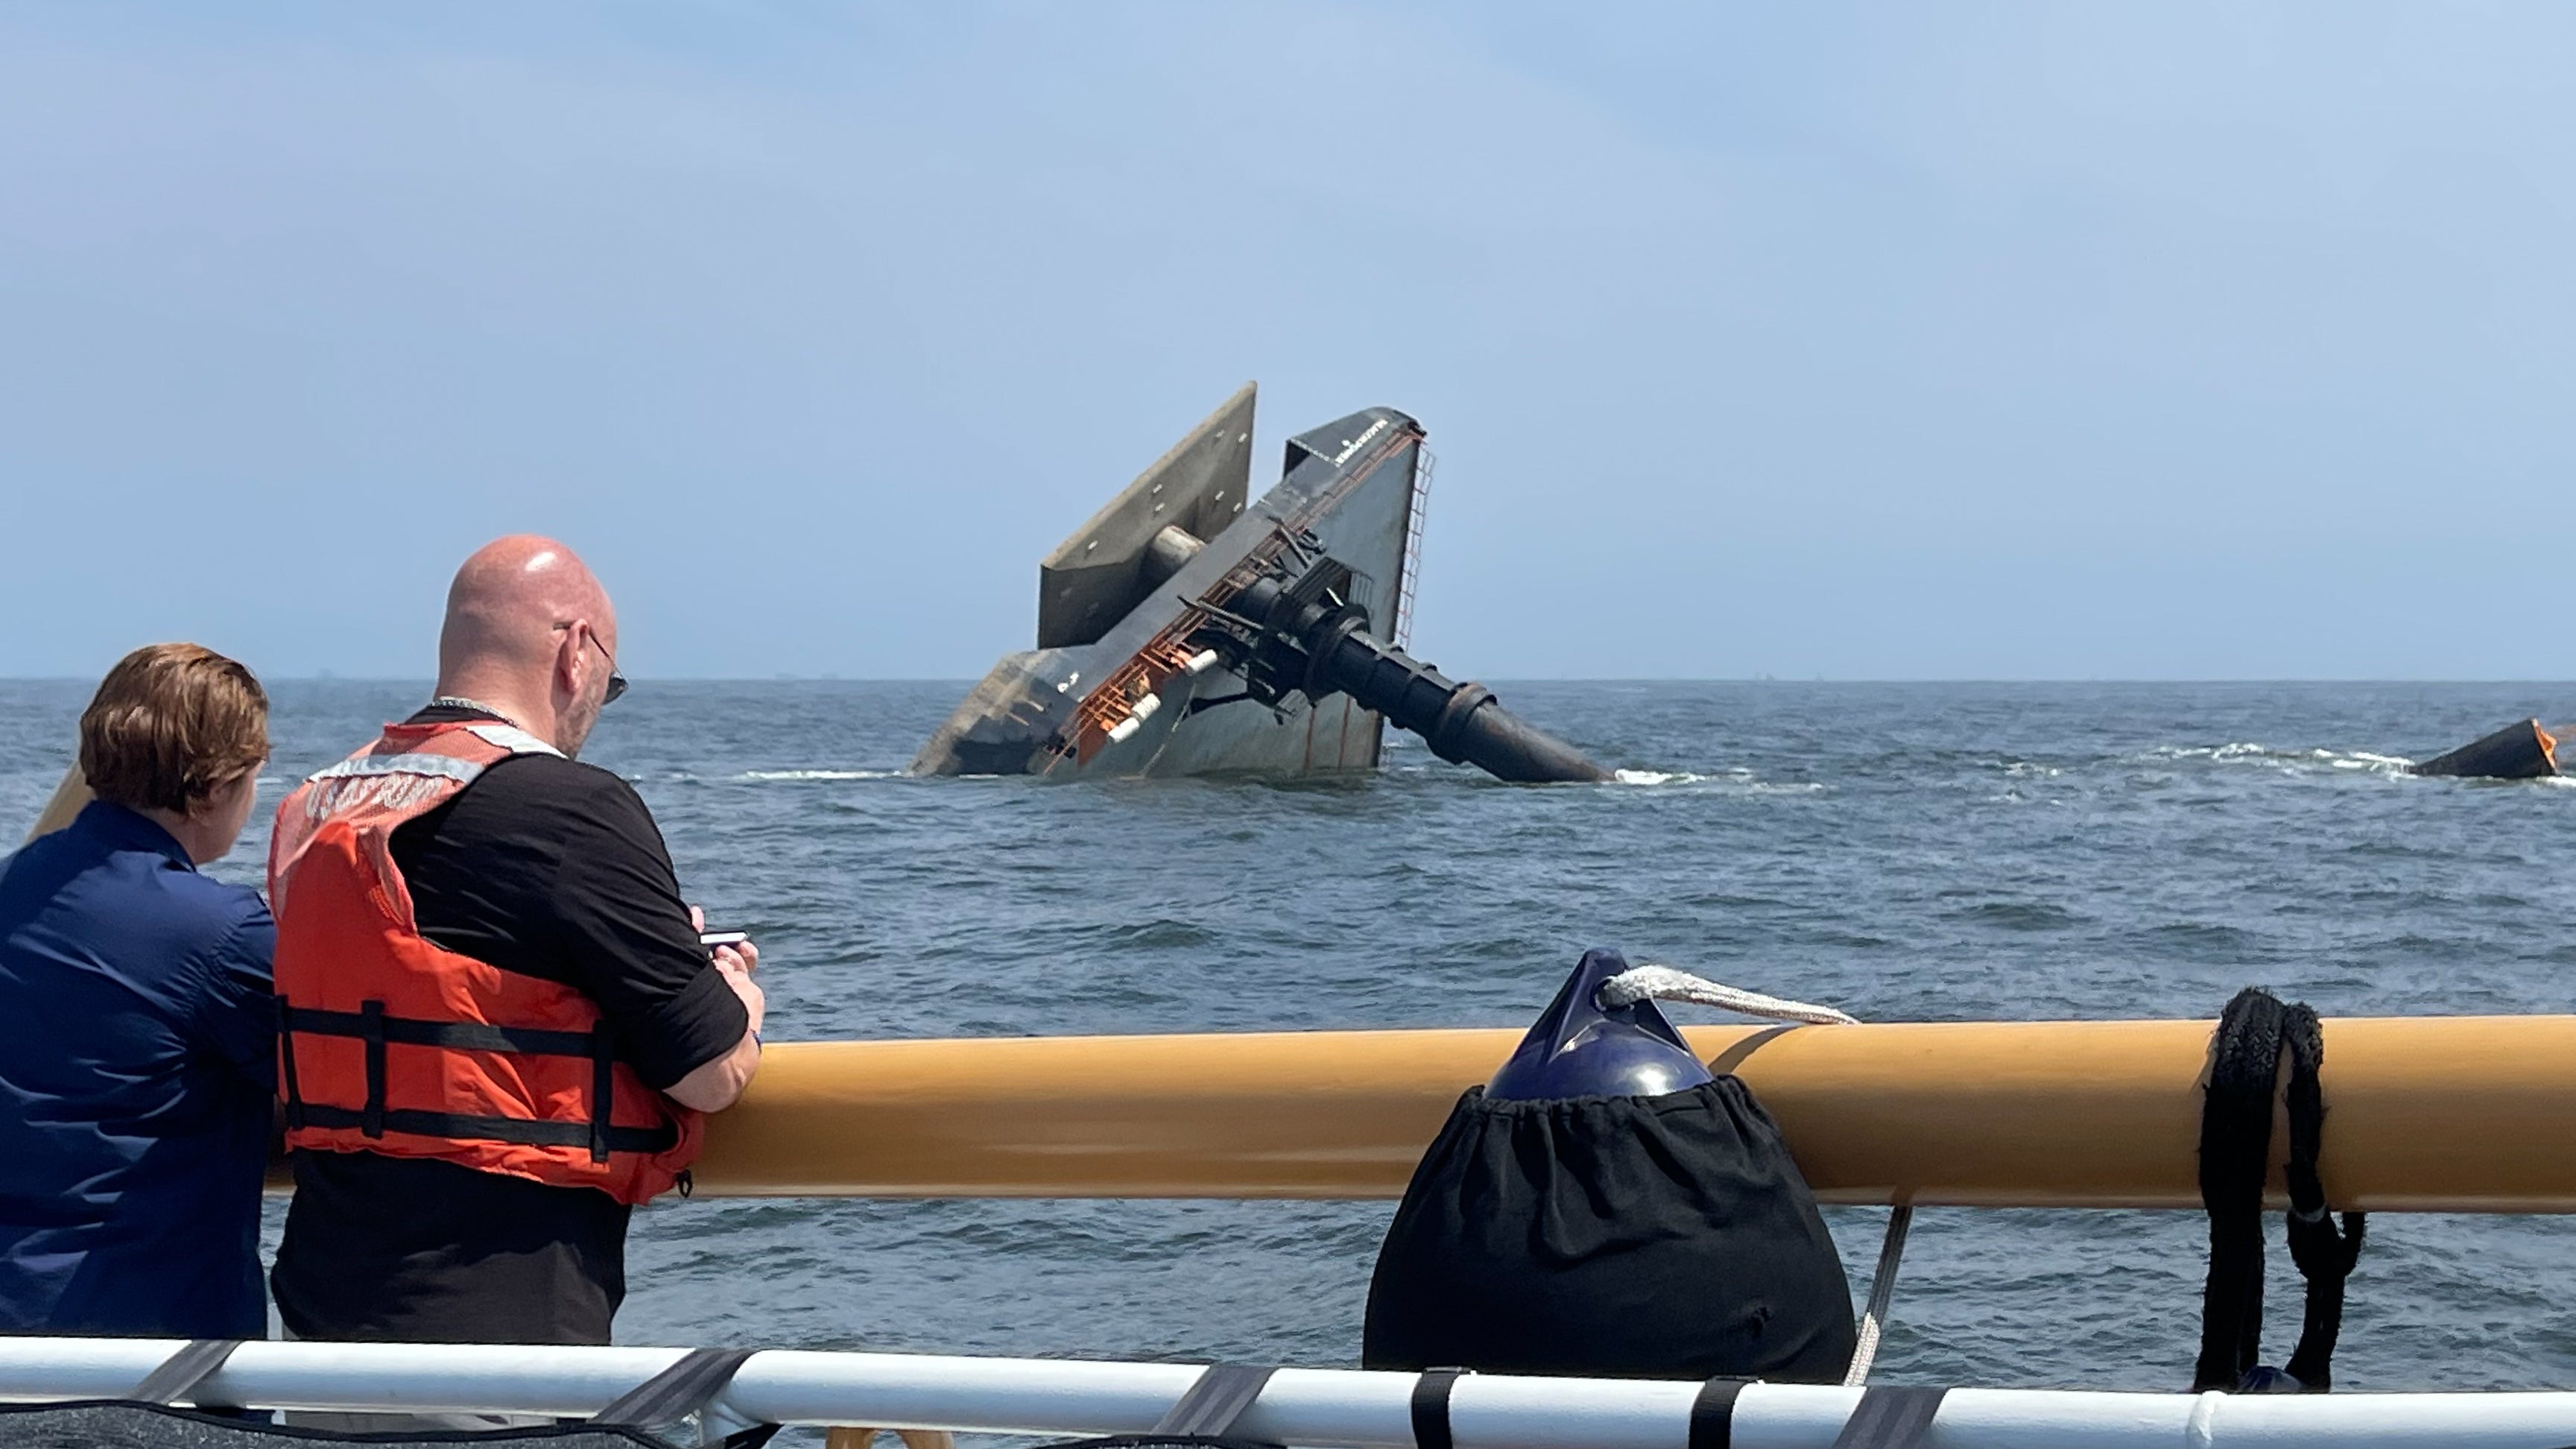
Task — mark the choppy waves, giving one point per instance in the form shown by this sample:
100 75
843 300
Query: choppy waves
1832 843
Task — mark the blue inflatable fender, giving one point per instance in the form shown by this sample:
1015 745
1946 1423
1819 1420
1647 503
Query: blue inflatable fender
1578 1049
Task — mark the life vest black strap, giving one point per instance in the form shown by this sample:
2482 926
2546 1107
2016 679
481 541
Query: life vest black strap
286 1065
1431 1407
467 1036
464 1127
603 1089
1712 1417
371 1025
371 1030
1891 1418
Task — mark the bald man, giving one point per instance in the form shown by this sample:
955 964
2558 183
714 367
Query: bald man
500 1029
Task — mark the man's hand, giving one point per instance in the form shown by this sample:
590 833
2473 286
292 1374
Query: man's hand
735 964
718 1084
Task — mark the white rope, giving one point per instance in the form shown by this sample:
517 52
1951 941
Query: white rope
1882 1292
1668 983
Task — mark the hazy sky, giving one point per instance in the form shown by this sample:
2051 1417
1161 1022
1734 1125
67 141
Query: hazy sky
1887 341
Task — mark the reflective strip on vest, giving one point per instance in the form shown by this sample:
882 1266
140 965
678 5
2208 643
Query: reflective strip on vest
514 739
391 782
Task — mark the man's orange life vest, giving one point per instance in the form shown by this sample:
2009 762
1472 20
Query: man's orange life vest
388 1043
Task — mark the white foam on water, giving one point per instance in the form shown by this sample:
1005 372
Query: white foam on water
1735 780
757 776
2287 761
1736 776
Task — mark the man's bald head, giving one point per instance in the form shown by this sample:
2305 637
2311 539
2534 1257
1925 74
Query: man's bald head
519 615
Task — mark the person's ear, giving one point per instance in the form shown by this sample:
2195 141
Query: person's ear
218 799
569 644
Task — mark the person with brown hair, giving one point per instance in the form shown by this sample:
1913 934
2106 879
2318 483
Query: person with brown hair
138 1035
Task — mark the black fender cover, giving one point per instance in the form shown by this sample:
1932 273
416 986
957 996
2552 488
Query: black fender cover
1666 1236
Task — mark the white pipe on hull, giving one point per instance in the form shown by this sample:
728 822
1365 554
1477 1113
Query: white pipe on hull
1322 1407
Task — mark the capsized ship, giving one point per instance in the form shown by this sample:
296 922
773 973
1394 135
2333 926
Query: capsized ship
1189 628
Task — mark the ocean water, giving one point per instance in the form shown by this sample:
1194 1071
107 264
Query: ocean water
1919 852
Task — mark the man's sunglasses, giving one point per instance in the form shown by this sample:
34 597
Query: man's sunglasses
616 681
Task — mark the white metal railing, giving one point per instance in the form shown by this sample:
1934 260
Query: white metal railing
1322 1407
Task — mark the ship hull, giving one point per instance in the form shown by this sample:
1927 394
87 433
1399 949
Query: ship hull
1353 486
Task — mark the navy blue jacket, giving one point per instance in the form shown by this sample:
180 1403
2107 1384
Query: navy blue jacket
137 1071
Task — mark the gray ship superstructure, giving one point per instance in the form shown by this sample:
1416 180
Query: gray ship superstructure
1189 628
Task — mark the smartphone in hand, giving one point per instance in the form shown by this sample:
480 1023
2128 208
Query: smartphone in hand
713 939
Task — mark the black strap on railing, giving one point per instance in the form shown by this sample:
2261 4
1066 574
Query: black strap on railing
2254 1033
1712 1416
2324 1255
1891 1418
1213 1403
1431 1406
2235 1150
686 1387
181 1372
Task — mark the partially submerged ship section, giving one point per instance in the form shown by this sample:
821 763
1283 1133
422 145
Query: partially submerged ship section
1188 628
2520 751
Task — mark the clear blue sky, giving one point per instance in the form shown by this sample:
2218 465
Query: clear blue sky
1893 341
